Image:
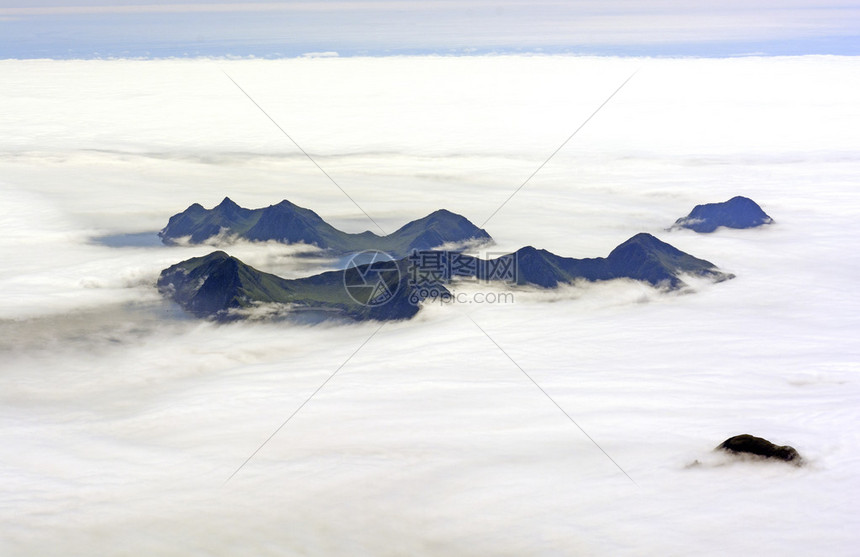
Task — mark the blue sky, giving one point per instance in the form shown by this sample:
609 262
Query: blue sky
145 28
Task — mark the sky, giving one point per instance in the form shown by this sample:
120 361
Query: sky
121 418
104 29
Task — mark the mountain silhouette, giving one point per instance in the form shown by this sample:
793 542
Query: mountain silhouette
289 223
642 257
222 287
737 212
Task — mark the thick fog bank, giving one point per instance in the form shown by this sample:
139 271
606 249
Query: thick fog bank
121 418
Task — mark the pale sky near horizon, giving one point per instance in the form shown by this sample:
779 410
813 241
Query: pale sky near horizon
146 28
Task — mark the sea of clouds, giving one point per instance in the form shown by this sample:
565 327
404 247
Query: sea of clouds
121 419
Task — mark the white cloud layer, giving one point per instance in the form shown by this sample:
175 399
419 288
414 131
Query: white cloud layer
120 420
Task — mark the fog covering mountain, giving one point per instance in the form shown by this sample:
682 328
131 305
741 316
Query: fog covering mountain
288 223
737 212
221 286
121 418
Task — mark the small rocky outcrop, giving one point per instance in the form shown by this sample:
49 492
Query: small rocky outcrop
737 212
749 444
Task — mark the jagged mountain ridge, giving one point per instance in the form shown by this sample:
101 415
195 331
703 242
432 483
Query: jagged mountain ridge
220 286
289 223
642 257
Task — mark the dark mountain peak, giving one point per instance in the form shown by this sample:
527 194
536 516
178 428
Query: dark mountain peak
540 267
227 204
287 208
229 213
741 199
214 256
437 228
645 238
737 212
442 214
647 258
439 216
284 204
644 243
738 203
197 224
445 218
531 252
290 223
204 285
203 266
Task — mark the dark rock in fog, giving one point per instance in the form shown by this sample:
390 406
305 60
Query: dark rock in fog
749 444
737 212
